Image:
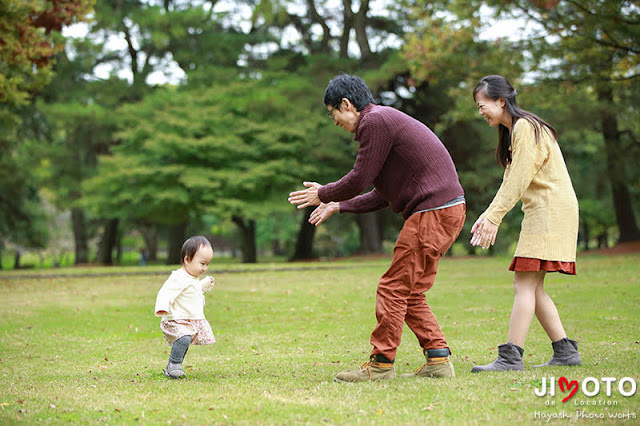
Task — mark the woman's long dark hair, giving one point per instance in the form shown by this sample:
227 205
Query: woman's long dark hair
496 87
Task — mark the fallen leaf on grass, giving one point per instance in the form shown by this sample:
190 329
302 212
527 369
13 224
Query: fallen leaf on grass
430 407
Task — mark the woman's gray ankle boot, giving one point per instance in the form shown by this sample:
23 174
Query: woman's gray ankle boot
565 352
509 358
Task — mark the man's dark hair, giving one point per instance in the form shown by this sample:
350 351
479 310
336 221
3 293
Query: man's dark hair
191 246
350 87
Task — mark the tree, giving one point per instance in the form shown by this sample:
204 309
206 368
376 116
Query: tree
155 35
342 28
579 68
188 152
446 58
29 38
596 46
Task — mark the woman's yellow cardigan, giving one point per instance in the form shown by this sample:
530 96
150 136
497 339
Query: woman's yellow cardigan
538 176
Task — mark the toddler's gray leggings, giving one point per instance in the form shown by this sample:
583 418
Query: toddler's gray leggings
179 349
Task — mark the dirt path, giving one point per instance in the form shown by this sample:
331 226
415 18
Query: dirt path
622 248
161 272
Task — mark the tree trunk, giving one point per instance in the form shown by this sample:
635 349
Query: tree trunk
150 236
360 25
616 169
119 246
304 243
16 259
585 235
177 236
248 236
277 249
347 24
79 226
326 31
603 240
108 242
371 236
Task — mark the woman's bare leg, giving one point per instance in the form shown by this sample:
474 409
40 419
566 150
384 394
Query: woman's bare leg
547 314
525 285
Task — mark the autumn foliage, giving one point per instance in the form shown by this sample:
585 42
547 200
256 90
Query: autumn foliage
29 37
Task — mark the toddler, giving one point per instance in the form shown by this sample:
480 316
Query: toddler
180 303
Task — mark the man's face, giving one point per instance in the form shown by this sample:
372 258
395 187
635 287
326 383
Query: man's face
344 115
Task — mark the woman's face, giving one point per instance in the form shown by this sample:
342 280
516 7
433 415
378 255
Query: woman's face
493 111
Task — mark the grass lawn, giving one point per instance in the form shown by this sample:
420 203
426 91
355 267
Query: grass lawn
89 349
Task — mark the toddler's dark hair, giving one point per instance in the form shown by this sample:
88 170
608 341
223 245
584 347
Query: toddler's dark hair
191 246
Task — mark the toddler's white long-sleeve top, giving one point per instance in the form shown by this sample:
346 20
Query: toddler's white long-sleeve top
182 295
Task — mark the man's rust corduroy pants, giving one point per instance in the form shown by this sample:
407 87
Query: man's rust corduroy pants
424 239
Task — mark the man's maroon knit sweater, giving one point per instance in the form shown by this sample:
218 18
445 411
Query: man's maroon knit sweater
409 167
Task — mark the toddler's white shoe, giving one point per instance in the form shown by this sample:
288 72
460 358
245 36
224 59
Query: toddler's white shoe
174 371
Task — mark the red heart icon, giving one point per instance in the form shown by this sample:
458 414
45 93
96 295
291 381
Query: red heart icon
562 382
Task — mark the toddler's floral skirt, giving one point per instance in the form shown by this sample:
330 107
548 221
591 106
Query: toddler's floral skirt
199 330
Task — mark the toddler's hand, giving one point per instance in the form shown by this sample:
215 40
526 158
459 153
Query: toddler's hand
162 313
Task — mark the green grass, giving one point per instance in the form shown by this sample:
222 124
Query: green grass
89 349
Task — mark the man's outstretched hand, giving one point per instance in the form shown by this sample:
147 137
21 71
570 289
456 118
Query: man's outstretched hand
306 197
323 212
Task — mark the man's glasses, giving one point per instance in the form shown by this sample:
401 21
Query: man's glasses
330 112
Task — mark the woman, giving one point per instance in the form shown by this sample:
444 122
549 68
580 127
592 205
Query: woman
535 173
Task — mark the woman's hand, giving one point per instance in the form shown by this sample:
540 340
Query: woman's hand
484 233
323 212
306 197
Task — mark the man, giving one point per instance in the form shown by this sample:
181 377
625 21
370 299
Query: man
411 171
